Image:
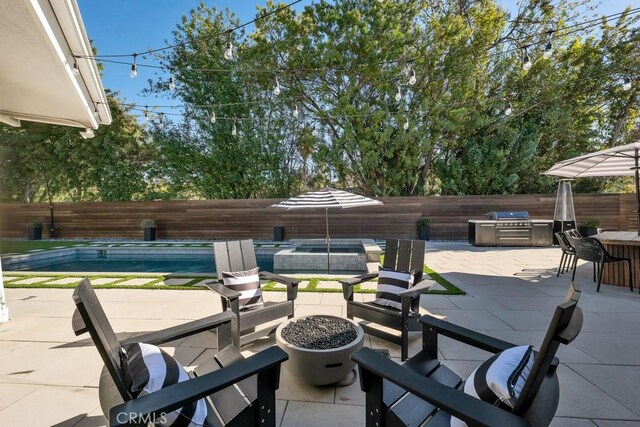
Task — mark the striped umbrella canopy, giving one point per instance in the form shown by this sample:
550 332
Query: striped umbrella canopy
327 198
617 161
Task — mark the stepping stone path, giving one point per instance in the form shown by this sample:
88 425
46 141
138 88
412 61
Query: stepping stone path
65 281
174 282
137 281
32 280
329 284
104 280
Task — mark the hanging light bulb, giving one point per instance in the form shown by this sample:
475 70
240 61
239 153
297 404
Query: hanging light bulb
398 94
508 110
161 123
526 61
213 116
276 90
172 83
406 124
146 113
134 67
228 52
234 130
626 84
296 113
96 114
75 69
548 49
412 77
314 132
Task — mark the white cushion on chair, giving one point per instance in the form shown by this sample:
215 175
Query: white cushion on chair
149 369
500 378
248 284
390 284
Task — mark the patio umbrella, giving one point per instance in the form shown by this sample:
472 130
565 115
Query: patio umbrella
616 161
327 198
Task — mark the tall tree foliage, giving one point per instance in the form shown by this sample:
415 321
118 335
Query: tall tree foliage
110 166
342 63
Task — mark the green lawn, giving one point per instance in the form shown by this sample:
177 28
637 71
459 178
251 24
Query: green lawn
23 246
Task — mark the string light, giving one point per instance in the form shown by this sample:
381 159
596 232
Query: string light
234 130
276 90
296 113
398 94
548 49
146 113
96 114
508 110
314 131
626 84
406 124
172 83
526 61
75 69
228 52
412 78
161 123
134 67
212 118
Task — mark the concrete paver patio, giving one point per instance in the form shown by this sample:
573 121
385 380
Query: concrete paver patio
50 377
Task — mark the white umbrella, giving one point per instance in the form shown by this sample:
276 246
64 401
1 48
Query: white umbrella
327 198
616 161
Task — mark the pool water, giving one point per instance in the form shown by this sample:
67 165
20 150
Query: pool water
135 263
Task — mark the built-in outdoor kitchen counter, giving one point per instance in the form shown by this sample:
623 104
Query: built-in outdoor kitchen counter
510 228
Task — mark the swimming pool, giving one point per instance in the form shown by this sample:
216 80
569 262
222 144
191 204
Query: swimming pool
131 260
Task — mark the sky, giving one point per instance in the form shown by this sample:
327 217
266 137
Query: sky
125 26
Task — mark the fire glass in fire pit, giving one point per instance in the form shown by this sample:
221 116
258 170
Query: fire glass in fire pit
319 347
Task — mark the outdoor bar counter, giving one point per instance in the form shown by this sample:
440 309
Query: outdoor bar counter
624 244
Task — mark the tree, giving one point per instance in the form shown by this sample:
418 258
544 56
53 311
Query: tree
110 166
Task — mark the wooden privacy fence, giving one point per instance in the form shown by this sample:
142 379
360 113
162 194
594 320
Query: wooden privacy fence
252 218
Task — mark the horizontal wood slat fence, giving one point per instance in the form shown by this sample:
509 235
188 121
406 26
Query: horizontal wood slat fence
252 218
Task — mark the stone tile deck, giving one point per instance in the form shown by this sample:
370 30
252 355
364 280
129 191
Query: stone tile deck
49 377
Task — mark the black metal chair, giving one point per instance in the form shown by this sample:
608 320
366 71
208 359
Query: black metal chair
400 255
592 250
568 252
423 391
256 378
240 256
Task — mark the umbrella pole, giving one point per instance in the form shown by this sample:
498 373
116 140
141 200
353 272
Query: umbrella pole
328 240
637 193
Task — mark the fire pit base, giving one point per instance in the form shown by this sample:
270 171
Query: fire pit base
321 366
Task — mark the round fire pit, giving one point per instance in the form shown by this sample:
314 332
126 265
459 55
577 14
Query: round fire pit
319 347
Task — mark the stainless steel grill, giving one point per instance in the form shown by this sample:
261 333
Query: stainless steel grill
510 228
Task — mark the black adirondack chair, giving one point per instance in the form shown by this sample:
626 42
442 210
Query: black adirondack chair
400 255
240 256
423 390
256 377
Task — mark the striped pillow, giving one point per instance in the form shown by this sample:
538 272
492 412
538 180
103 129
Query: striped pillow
147 368
500 378
248 284
390 284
